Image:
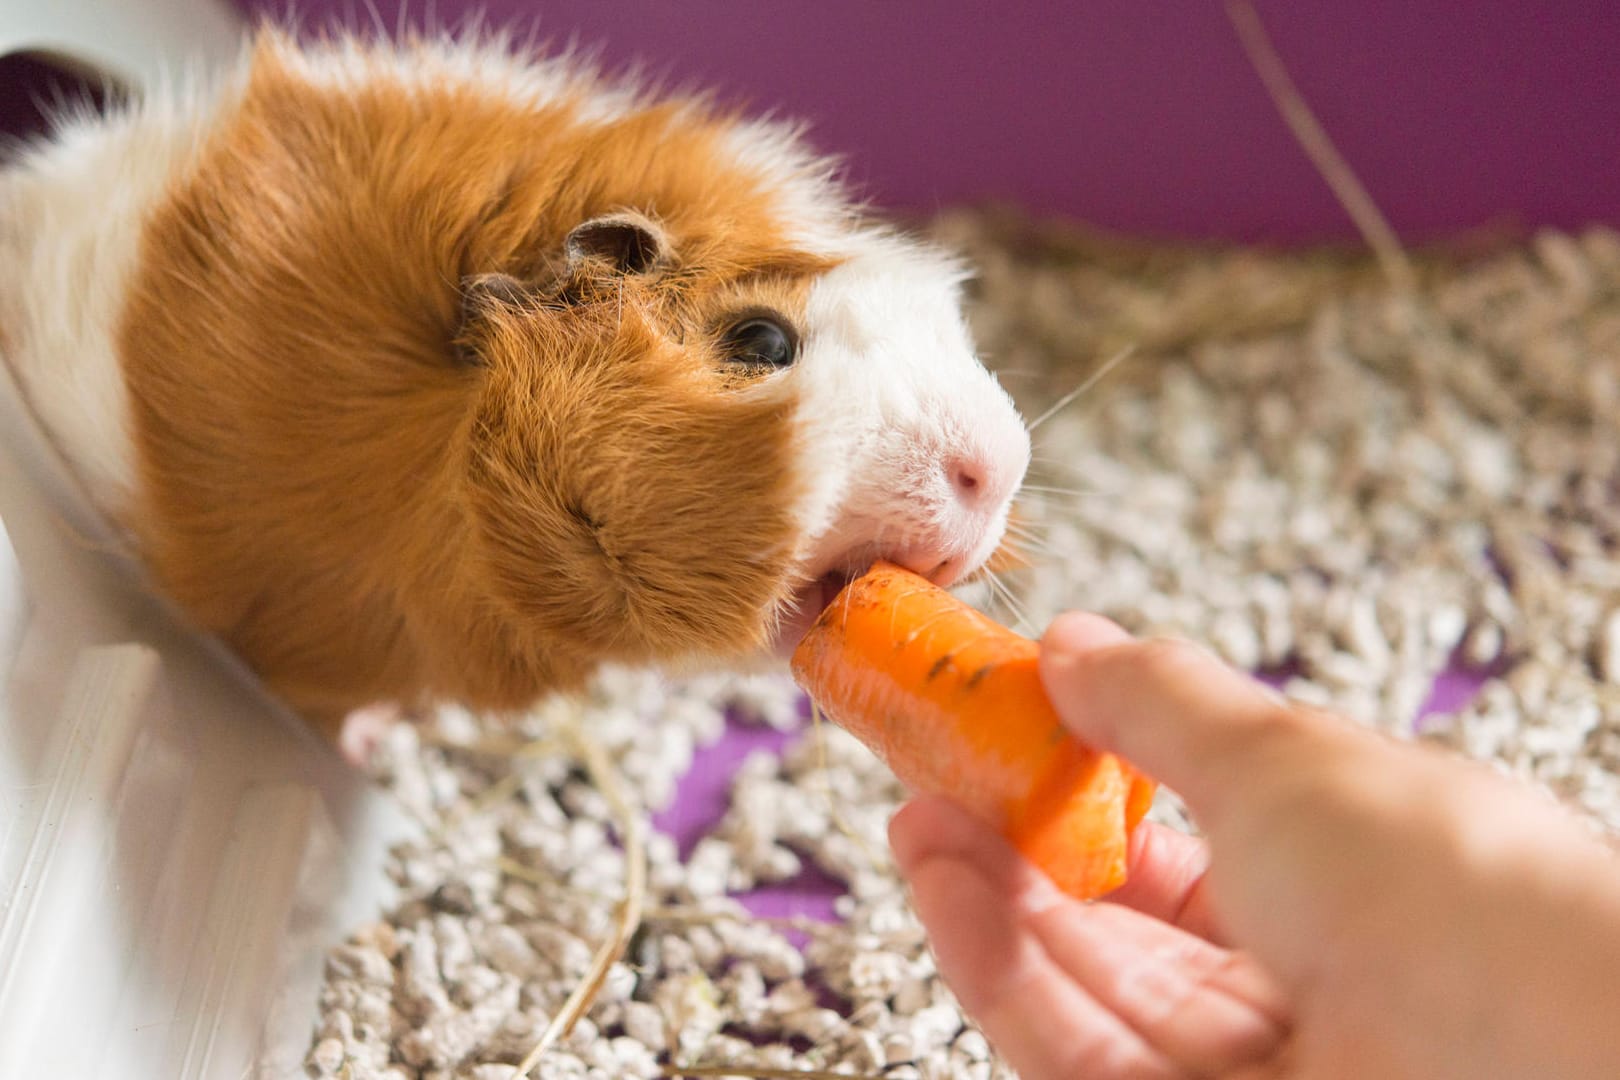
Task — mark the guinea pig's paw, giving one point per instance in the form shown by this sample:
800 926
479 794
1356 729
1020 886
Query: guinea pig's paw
362 731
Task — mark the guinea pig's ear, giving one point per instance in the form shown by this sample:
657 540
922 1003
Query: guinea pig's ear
481 292
629 242
482 296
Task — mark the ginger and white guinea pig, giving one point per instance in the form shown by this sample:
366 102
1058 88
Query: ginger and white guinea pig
429 372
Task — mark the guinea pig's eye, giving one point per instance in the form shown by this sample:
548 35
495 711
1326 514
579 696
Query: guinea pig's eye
760 342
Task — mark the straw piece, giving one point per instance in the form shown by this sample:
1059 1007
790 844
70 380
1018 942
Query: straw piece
1314 140
627 918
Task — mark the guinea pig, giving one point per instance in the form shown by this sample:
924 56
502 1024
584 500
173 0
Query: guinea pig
431 372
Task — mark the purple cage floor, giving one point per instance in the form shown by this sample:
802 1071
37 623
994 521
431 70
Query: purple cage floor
701 801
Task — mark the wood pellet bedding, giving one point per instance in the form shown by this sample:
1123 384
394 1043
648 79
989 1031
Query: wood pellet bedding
1348 489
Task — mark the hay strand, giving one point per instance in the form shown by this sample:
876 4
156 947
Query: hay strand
627 917
1314 140
819 732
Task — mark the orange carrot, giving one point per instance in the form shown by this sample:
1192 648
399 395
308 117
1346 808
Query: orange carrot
953 703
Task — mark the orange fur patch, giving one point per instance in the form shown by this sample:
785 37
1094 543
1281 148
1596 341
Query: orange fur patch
325 481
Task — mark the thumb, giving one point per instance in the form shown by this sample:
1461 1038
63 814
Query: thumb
1173 710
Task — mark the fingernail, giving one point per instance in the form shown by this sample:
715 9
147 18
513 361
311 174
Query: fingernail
1069 635
1198 646
1060 664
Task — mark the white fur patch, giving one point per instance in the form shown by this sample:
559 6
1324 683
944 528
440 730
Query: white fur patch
490 65
816 213
892 398
71 215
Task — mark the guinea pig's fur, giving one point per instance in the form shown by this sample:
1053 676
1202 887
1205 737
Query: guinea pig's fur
404 370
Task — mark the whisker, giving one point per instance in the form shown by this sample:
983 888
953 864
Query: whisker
1063 402
1041 461
1032 545
1038 530
1004 595
1053 489
1029 556
1082 491
1027 530
1057 498
1058 477
992 581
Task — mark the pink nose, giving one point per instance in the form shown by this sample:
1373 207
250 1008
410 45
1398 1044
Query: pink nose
971 480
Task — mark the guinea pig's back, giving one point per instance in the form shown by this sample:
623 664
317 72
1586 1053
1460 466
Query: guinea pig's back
72 210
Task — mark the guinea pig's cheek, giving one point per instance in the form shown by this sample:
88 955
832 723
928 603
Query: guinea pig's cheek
840 437
822 465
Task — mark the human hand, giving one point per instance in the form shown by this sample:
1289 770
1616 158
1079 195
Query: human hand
1372 910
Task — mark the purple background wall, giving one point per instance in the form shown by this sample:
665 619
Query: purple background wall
1144 115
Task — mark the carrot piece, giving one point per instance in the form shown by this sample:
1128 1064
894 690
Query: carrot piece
953 703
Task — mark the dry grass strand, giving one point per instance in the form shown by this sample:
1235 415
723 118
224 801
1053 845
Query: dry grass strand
627 918
1318 146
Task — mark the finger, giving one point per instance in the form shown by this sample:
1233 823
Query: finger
1219 1014
1177 712
1084 631
930 825
1166 866
1166 880
1041 1021
1208 1009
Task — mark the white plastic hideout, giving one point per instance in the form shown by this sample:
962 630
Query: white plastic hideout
176 851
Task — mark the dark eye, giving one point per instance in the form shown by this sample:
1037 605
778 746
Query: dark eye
760 342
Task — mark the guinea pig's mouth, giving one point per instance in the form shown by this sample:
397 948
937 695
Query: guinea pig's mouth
806 606
800 612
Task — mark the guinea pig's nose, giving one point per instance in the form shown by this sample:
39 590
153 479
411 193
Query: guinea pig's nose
966 474
973 480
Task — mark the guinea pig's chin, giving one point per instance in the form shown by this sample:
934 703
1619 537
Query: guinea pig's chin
800 613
